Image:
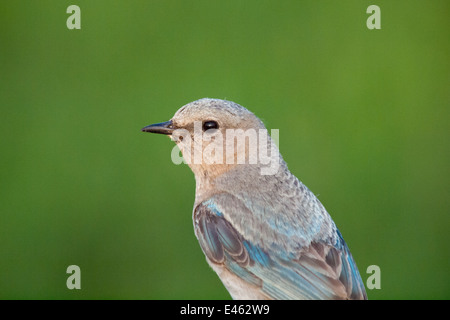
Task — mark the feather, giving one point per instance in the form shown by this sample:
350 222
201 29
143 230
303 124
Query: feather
318 271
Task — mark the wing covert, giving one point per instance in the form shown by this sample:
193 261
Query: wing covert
319 271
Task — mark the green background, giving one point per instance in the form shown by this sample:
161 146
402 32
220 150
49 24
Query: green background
363 118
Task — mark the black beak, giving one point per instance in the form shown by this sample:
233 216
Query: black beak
161 128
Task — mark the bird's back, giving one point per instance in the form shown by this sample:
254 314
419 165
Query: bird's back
270 237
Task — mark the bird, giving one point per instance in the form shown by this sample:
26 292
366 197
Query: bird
265 234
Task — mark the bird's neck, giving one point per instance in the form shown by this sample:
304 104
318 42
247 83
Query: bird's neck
206 178
234 179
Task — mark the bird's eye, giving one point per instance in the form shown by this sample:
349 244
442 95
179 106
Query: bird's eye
210 125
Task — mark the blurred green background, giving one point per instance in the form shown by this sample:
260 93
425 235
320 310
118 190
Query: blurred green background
363 118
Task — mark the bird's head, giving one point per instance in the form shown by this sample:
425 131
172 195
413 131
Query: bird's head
215 136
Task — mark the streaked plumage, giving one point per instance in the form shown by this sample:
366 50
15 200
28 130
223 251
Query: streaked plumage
266 236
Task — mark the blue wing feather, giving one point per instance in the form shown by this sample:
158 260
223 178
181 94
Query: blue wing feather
320 271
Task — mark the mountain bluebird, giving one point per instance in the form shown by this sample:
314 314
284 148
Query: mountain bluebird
263 232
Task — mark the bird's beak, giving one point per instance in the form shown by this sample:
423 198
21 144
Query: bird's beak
161 128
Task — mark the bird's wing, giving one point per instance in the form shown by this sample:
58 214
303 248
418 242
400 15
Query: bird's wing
319 271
